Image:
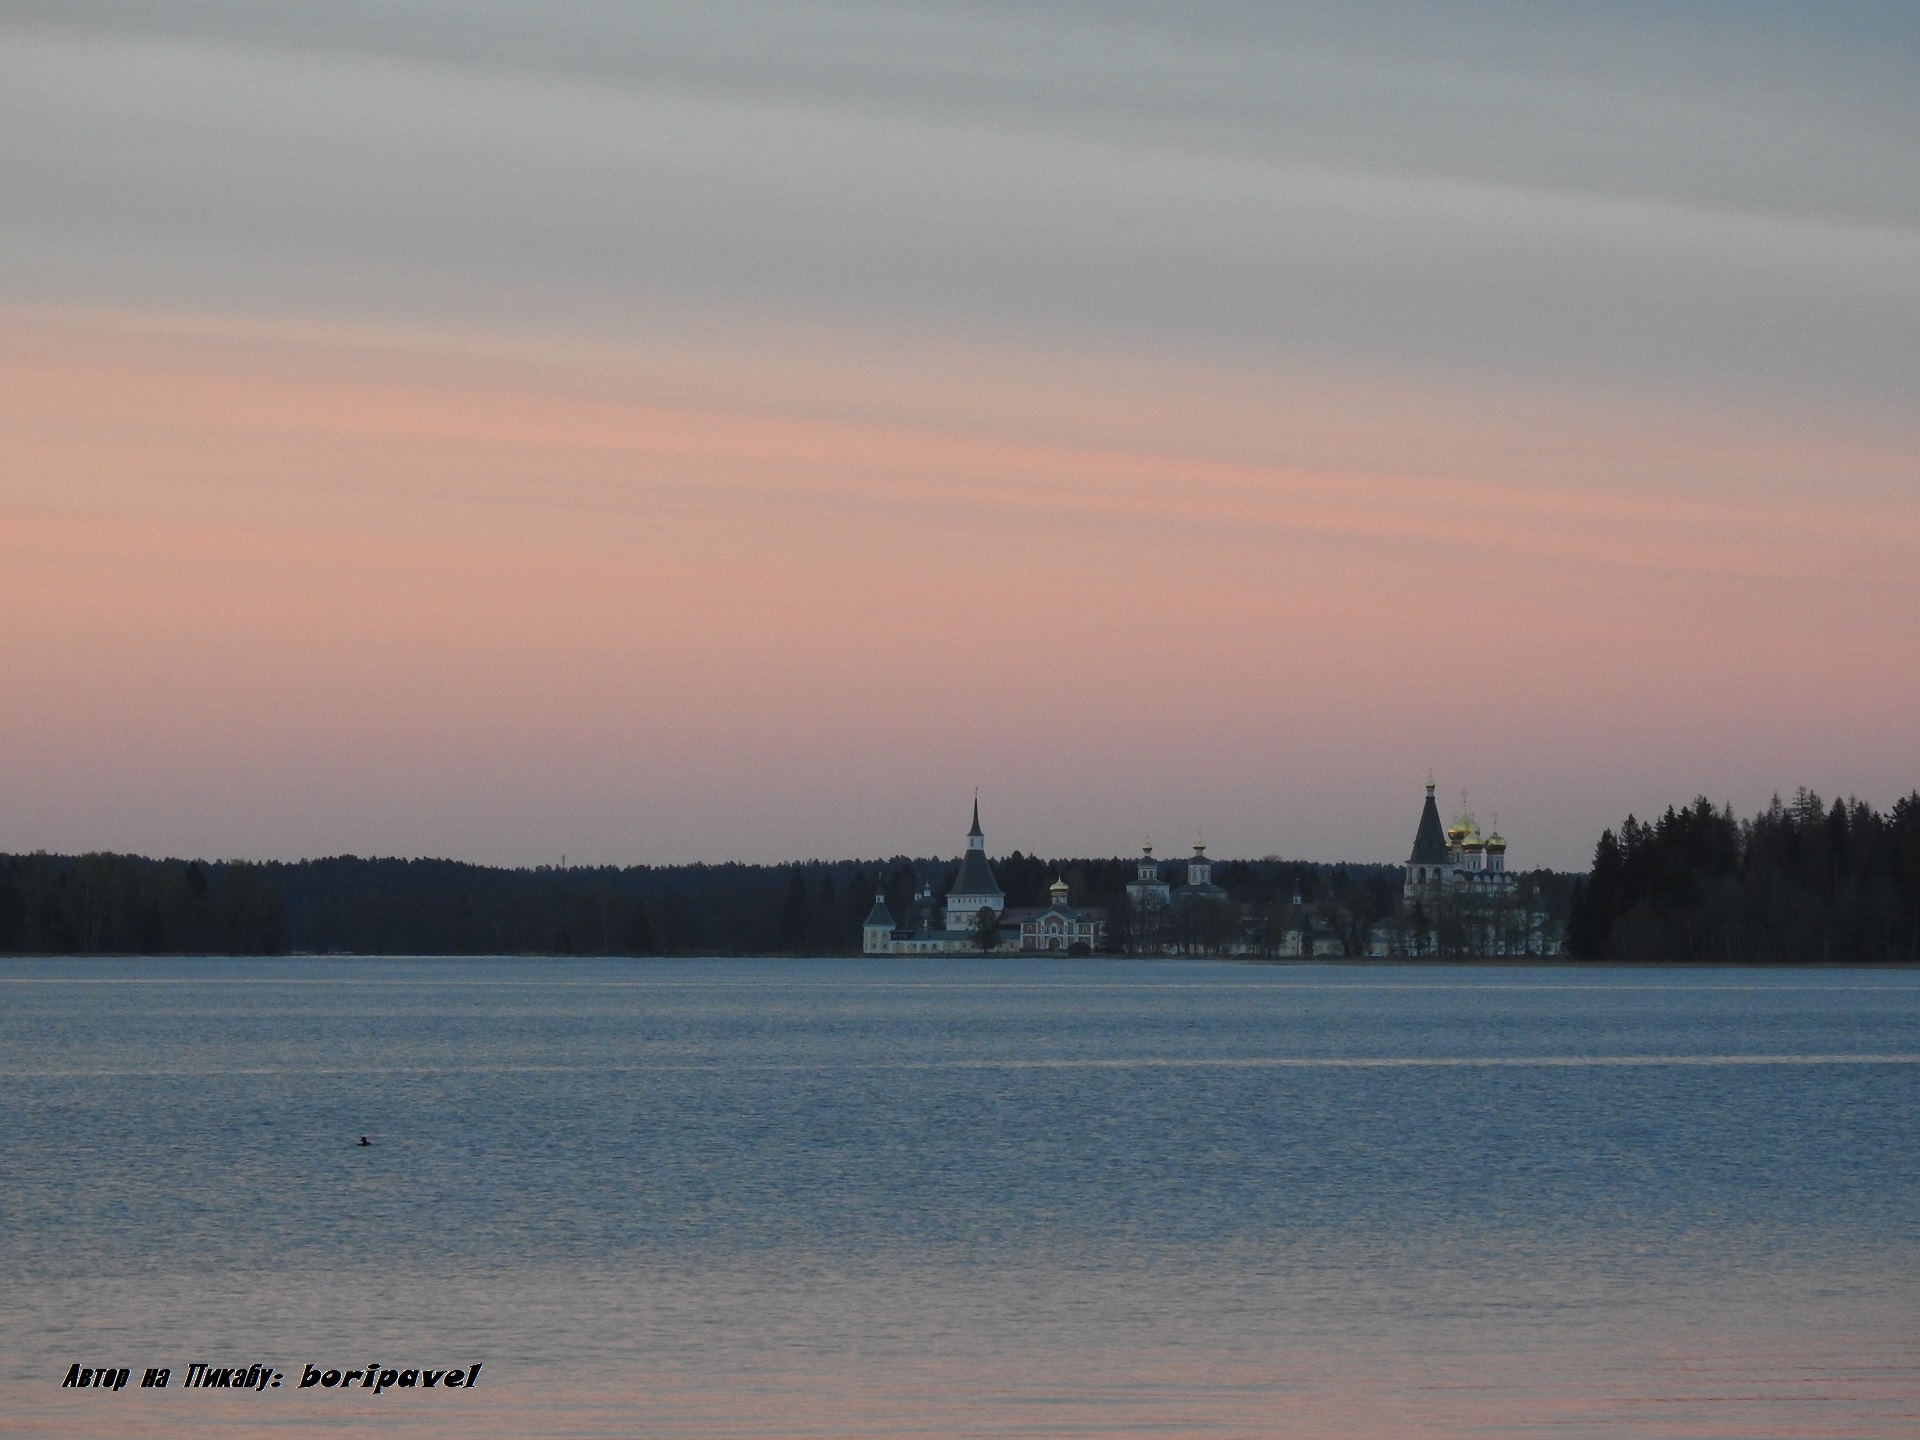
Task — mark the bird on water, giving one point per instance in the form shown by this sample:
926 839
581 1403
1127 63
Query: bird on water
365 1141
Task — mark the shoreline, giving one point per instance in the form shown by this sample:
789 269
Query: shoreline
1356 962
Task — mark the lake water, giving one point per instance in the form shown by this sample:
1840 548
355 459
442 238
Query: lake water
981 1198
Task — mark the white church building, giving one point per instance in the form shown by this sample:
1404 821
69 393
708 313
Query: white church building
955 928
1456 858
1458 897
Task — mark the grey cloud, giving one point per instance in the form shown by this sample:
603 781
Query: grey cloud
1754 104
1247 180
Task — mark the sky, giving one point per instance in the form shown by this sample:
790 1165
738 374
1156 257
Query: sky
652 433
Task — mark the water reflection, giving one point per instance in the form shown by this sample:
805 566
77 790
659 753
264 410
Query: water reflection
763 1199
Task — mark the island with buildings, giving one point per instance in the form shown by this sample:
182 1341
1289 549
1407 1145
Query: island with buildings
1803 881
1456 896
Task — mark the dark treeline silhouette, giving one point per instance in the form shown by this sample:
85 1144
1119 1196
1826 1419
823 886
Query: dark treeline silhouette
127 904
124 904
1800 883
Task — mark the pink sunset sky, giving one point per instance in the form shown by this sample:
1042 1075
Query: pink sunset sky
738 432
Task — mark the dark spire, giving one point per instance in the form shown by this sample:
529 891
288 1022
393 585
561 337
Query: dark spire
976 876
1430 840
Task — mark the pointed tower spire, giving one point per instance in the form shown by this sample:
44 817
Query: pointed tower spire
1430 839
976 837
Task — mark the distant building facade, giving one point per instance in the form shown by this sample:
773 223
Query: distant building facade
1455 858
974 888
1457 896
974 919
1149 890
1060 928
1199 884
1195 916
1303 934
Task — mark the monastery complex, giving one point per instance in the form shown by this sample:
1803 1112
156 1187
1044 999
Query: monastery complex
1456 896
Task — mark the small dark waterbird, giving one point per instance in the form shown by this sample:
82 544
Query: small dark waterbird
365 1141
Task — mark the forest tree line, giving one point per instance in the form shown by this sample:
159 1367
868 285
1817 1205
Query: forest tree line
1802 882
128 904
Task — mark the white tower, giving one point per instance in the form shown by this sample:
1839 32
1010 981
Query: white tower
974 889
